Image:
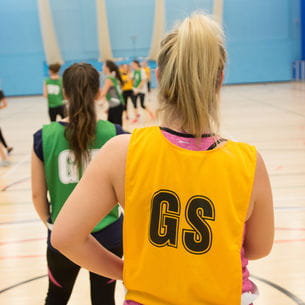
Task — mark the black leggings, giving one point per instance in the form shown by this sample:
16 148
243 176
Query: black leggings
149 86
2 140
53 112
62 276
142 100
115 114
128 94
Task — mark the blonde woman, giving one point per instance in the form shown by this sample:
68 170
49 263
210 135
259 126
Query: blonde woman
197 206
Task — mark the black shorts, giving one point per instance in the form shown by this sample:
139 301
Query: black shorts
53 112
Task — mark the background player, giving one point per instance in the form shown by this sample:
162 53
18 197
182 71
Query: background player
52 90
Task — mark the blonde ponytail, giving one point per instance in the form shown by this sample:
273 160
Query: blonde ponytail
191 62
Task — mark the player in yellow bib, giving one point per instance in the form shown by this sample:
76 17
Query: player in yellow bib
148 75
197 206
127 89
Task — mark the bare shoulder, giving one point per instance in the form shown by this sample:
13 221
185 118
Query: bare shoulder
114 151
118 144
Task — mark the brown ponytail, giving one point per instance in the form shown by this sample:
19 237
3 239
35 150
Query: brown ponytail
81 86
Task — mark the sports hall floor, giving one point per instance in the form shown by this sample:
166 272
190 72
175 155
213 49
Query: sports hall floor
270 116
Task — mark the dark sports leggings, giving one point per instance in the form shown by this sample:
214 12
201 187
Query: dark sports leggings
2 140
142 99
53 112
62 276
128 94
149 86
115 114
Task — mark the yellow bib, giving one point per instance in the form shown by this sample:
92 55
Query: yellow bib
127 82
184 219
148 73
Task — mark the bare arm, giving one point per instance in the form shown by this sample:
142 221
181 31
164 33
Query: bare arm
45 91
260 224
39 189
3 103
108 83
102 186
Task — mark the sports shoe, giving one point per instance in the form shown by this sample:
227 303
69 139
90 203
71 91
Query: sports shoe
5 163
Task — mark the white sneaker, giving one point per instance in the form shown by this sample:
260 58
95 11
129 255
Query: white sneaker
5 163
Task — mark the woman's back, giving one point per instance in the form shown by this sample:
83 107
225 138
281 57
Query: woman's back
62 174
190 230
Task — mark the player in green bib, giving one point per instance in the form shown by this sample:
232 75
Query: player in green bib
52 90
139 89
62 150
112 92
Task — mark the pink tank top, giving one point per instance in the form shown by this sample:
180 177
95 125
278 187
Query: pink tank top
207 142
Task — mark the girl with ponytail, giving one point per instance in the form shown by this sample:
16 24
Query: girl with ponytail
113 93
62 151
197 206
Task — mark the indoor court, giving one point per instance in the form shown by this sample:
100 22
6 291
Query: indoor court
265 110
269 116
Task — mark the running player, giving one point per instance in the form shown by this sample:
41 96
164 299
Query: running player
139 88
3 104
148 75
52 90
127 88
112 92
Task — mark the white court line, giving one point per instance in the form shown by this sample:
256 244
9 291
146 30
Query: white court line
20 214
15 167
289 208
35 222
290 198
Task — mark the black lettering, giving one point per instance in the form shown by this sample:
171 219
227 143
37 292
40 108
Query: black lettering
199 239
164 223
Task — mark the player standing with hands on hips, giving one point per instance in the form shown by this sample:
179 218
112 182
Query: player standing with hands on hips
197 206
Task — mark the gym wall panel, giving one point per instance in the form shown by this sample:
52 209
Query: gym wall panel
130 25
178 10
21 50
303 27
263 37
75 25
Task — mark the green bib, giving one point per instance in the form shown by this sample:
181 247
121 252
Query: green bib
62 175
54 91
137 78
118 90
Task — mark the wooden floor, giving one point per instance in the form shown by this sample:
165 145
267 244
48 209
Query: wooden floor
270 116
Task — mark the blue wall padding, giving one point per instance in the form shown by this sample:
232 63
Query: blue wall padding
303 27
263 37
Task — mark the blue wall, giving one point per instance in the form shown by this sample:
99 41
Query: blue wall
263 37
21 50
303 27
